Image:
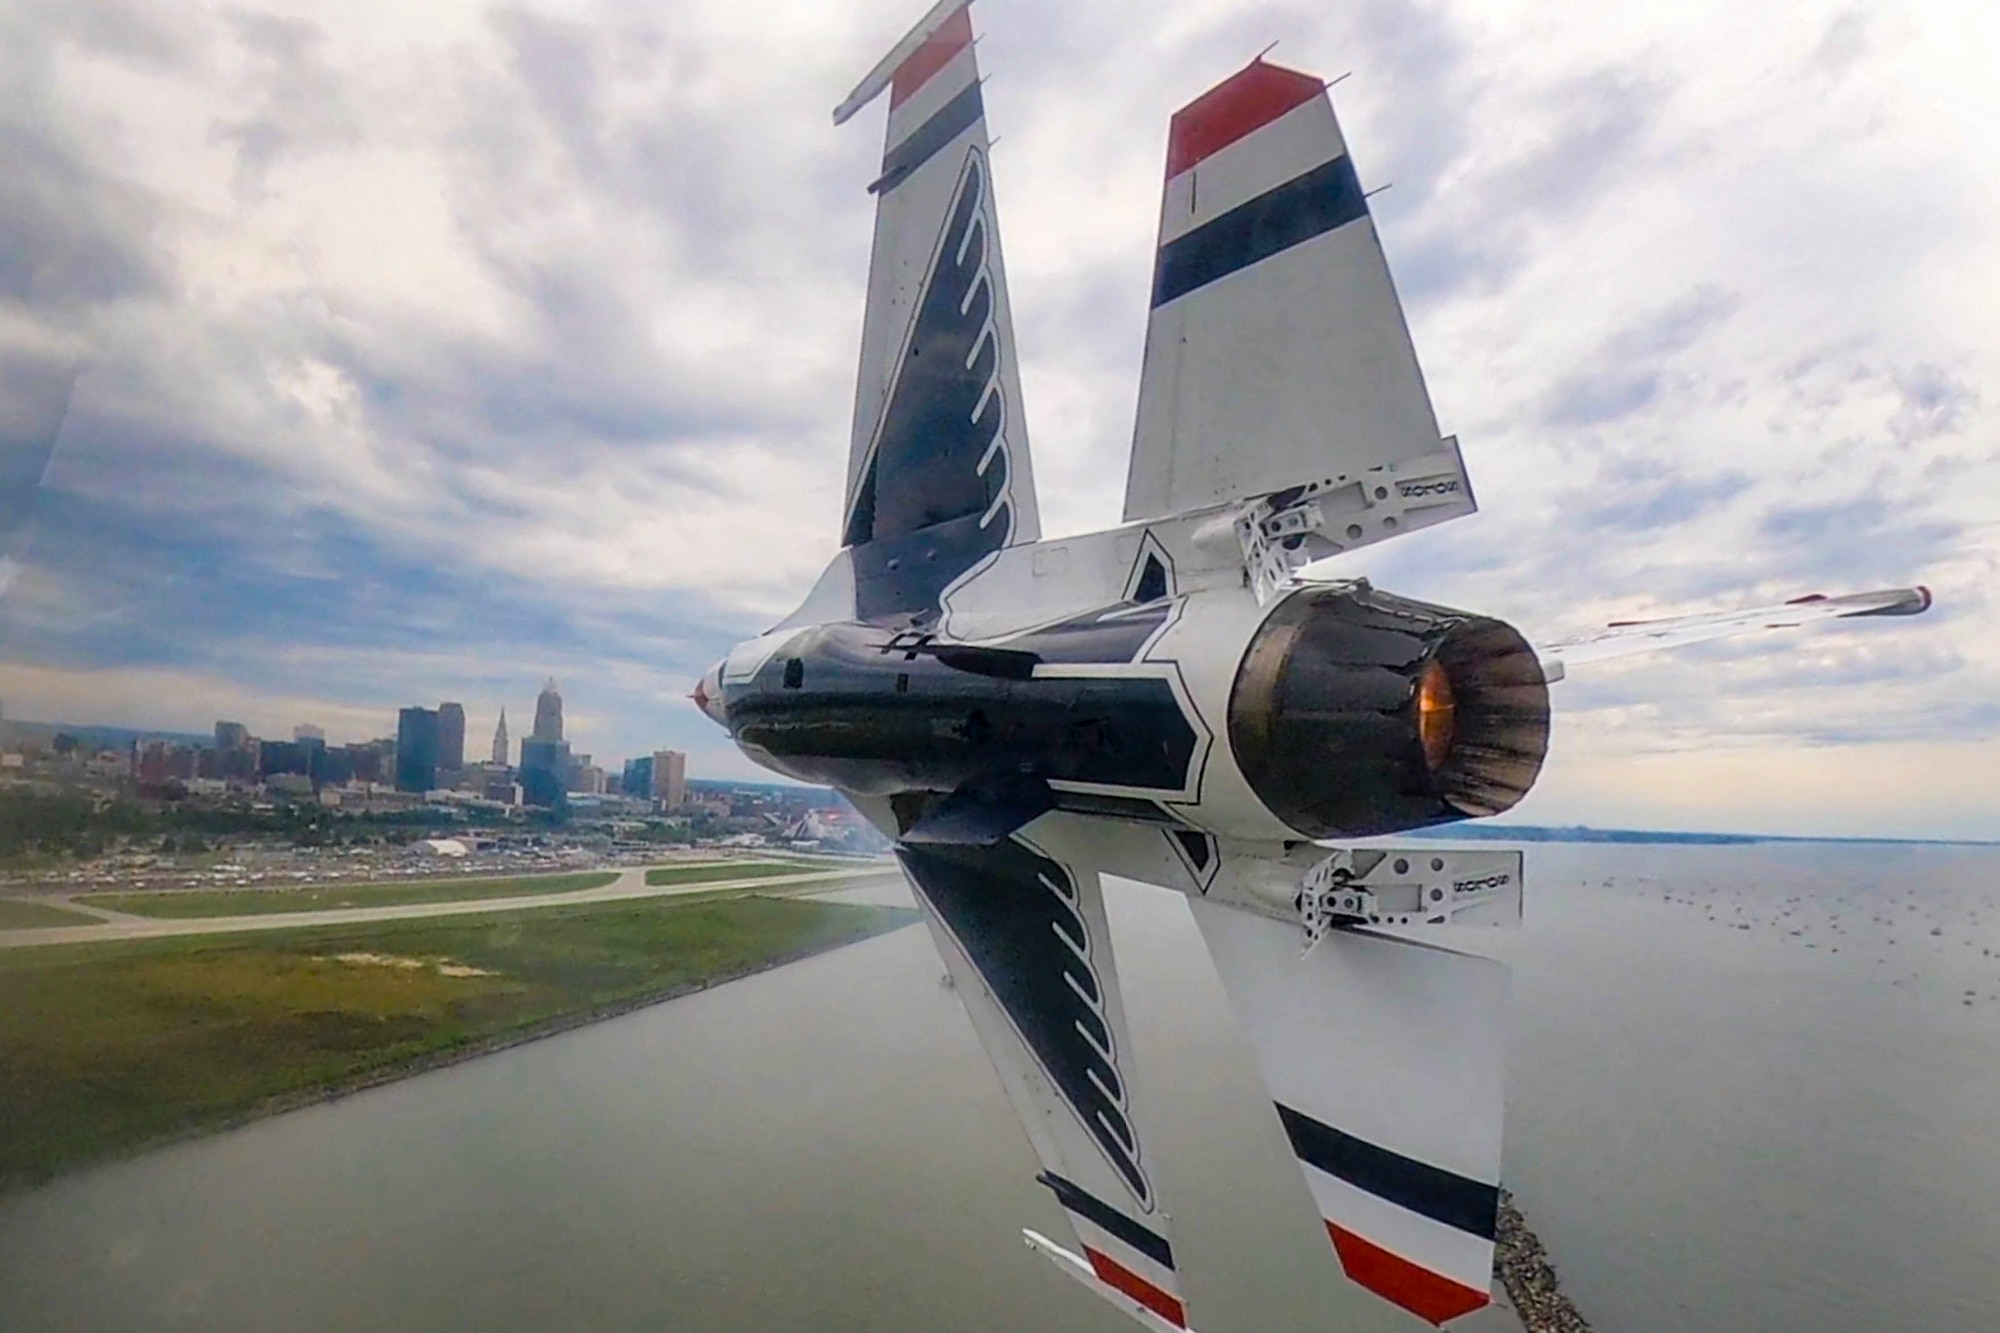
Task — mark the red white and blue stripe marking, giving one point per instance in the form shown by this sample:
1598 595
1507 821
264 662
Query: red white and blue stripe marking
1126 1255
1410 1232
1255 166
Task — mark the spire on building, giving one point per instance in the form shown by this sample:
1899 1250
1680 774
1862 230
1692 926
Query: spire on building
548 714
500 739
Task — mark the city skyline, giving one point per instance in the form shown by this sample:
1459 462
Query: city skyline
413 762
232 733
648 403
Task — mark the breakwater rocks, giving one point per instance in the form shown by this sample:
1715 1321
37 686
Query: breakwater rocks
1529 1277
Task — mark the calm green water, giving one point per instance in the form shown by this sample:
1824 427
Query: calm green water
1714 1128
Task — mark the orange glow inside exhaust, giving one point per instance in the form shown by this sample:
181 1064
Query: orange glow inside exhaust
1435 709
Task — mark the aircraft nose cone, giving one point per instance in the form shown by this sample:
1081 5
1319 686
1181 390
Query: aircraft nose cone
707 696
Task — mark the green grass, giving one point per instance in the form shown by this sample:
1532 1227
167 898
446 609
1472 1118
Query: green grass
109 1046
179 904
666 875
17 915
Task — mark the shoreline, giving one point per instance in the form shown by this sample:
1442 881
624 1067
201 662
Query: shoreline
1522 1265
431 1061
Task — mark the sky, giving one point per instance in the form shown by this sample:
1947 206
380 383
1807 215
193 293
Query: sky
417 352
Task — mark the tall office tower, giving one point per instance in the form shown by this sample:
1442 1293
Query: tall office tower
231 736
670 778
543 768
276 758
548 715
638 779
451 737
500 740
306 731
364 761
416 749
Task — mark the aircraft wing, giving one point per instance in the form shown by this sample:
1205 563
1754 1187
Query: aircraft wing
1024 938
1625 638
1383 1056
1277 360
1385 1060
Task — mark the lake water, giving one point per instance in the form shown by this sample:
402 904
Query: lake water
1717 1122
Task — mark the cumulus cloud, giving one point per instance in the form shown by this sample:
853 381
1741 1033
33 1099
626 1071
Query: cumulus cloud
428 350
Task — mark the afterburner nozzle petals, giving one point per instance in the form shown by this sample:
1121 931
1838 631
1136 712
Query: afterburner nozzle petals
1356 713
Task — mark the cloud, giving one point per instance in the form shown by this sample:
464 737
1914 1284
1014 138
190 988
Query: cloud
428 352
1625 375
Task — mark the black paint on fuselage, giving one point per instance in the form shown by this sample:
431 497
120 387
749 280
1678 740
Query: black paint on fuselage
1109 634
872 713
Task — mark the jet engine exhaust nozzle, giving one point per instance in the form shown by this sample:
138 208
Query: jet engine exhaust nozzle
1355 713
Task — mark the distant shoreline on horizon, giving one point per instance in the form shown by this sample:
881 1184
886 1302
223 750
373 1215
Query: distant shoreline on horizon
1469 832
1582 834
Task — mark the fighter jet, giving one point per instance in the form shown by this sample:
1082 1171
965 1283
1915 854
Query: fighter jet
1187 700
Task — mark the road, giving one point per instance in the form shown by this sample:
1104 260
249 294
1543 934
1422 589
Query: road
630 884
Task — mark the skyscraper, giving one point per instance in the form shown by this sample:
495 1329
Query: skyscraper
236 751
306 731
670 778
416 749
279 757
543 765
500 741
451 737
548 715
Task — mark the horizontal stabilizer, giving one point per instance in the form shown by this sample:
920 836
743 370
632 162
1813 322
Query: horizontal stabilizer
1627 638
1386 1061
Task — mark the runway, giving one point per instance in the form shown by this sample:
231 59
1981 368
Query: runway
630 884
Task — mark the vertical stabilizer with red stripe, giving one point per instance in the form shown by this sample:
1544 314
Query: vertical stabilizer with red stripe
938 478
1276 354
1386 1063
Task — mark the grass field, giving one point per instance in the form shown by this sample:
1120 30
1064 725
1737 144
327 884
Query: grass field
665 875
110 1046
17 915
320 897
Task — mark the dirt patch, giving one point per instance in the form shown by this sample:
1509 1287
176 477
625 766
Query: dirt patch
379 960
442 967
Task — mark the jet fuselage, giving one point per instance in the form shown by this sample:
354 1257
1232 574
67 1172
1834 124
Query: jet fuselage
1346 711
